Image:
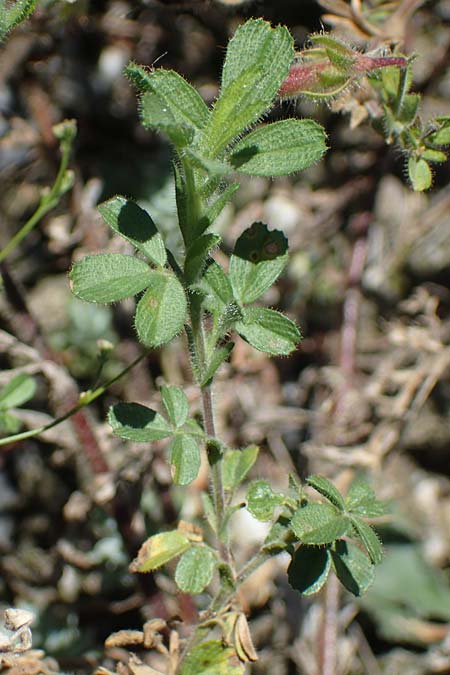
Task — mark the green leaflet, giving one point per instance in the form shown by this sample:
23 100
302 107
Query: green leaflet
160 549
126 218
262 500
259 257
184 459
268 331
162 310
309 568
319 524
19 390
280 148
136 422
109 277
353 568
176 404
195 569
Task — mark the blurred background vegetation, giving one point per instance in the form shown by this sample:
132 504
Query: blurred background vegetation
367 392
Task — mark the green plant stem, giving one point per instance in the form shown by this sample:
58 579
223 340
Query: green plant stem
47 202
84 401
216 471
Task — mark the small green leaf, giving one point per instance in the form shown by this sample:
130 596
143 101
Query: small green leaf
216 207
134 224
136 422
259 257
109 277
155 115
197 254
442 135
279 536
237 464
212 658
353 568
419 174
172 101
184 459
369 538
209 511
195 569
318 524
216 288
268 331
14 13
257 61
434 155
19 390
8 423
219 355
256 43
280 148
262 500
161 312
160 549
328 490
410 106
361 500
309 569
176 404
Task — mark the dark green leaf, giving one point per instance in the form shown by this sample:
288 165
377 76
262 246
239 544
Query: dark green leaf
212 658
237 464
109 277
258 259
353 568
161 312
176 404
184 459
318 524
370 540
195 569
262 500
155 115
309 569
134 224
160 549
197 254
268 331
328 490
19 390
280 148
136 422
